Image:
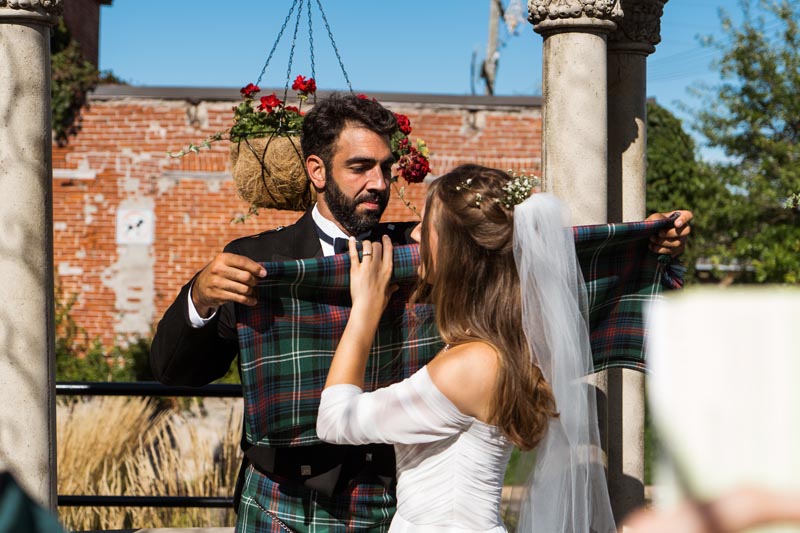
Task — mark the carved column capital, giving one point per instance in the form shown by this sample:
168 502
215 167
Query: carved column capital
38 11
573 15
639 31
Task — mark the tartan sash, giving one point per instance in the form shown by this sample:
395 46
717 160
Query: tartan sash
286 342
622 275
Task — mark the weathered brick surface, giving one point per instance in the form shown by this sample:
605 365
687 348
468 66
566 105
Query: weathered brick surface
118 160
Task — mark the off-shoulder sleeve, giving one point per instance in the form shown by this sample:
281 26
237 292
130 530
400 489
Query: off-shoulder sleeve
410 412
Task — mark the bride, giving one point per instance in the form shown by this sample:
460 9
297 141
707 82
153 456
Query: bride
499 266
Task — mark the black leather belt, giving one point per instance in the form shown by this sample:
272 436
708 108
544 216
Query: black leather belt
326 468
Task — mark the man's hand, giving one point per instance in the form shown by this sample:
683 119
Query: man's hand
671 241
228 278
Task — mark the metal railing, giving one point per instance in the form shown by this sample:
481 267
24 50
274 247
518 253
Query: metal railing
149 389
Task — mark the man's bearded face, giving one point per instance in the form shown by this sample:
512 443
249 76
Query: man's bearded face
345 209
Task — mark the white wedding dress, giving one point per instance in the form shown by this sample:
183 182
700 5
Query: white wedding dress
450 466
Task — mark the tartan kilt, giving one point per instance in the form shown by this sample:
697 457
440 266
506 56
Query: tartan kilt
366 505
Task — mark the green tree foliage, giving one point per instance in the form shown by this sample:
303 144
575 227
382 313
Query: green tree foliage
754 116
676 178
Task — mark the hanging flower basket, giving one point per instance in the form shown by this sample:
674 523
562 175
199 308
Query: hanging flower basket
269 173
267 161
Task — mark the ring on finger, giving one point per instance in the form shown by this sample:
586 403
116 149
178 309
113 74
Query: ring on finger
367 249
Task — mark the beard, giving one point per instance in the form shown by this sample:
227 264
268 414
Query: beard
343 208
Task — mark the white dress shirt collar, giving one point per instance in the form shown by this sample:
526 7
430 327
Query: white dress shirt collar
329 228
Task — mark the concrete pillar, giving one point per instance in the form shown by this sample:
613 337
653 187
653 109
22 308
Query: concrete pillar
628 47
574 90
27 363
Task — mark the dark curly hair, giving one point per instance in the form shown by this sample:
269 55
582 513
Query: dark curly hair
327 119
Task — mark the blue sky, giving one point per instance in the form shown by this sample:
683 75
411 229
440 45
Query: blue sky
417 46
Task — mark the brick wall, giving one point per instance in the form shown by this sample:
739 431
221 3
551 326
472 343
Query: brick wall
117 167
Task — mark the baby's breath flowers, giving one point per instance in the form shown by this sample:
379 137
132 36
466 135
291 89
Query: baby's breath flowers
518 189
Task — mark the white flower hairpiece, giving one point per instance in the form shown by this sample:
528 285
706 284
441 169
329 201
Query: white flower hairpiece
517 190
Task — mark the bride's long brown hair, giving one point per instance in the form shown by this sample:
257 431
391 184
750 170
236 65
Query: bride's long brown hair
475 289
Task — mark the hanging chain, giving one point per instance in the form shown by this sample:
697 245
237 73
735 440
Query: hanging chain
275 45
311 41
291 50
311 47
335 49
299 5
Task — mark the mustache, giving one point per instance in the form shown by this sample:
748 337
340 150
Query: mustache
371 197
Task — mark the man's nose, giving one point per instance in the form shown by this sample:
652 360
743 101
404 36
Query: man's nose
377 181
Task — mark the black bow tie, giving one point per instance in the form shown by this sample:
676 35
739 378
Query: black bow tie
340 244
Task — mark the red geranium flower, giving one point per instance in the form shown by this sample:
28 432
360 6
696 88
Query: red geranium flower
414 166
362 96
268 103
249 90
304 86
403 123
292 108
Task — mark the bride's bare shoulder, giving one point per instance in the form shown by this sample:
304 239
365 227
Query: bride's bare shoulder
466 374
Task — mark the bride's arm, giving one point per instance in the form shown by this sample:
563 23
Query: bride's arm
409 412
370 292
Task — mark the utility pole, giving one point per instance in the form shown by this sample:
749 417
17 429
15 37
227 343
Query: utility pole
489 70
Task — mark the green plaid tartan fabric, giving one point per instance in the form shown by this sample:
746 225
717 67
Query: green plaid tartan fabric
285 344
269 506
287 341
622 275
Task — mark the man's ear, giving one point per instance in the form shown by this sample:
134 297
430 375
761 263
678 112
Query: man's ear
316 171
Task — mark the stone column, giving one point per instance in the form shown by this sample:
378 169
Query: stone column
574 90
628 47
27 363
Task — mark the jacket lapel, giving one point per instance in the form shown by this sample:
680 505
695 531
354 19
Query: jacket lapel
300 243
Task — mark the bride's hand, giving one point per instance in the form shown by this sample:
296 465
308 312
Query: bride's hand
369 278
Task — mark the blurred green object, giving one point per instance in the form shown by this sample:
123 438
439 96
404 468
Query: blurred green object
18 512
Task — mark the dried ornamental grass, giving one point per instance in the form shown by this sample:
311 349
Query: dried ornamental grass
122 446
93 438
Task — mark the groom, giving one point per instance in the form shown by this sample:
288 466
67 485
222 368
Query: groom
318 486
